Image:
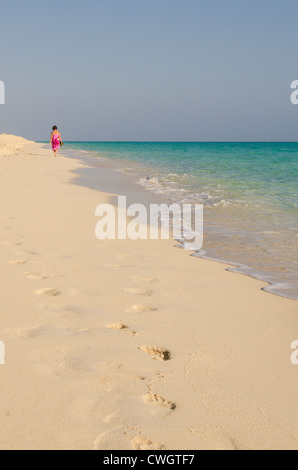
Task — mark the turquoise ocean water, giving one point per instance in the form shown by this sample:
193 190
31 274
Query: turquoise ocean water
249 192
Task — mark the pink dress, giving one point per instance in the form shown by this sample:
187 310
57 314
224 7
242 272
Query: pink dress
55 142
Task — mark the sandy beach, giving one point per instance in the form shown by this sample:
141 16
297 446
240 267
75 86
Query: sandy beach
128 345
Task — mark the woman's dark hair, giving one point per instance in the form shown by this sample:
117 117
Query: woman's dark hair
55 128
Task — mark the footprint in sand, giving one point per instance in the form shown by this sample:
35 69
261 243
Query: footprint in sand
27 252
141 309
35 277
50 292
112 417
142 443
18 261
72 311
159 354
117 326
31 332
79 362
155 399
144 292
121 327
115 439
161 376
118 439
50 331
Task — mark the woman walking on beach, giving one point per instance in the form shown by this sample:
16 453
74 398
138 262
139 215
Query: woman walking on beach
55 140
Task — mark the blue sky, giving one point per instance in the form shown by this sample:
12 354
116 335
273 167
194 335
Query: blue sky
150 69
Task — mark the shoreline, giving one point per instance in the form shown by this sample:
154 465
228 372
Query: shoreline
147 196
123 345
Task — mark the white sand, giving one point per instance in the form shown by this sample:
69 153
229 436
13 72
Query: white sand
12 145
129 344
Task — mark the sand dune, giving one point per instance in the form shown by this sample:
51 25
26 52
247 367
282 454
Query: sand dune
11 145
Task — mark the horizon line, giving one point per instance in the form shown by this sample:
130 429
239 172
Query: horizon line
181 141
